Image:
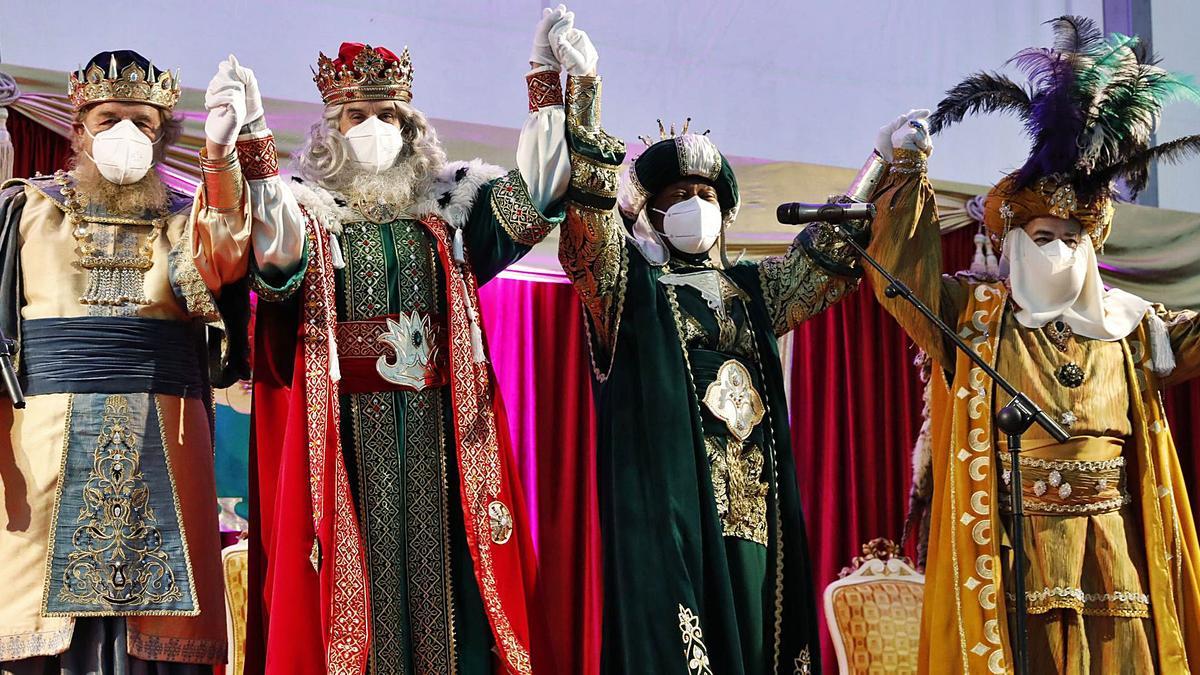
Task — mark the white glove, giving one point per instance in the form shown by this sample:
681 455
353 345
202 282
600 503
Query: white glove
541 52
573 47
254 104
909 131
225 100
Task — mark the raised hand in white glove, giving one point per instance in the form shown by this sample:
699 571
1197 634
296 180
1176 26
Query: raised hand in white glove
909 131
225 100
541 53
573 47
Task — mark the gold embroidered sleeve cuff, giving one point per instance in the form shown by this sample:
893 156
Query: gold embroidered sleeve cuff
591 251
512 206
545 89
222 181
593 184
258 157
583 101
909 161
596 156
828 248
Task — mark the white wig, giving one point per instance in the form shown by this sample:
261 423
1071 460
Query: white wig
325 157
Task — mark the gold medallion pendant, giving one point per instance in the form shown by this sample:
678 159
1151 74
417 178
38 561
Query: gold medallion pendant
732 399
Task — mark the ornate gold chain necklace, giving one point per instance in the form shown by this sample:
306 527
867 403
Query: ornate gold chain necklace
113 280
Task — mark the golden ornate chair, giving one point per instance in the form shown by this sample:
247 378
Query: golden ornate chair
234 561
874 612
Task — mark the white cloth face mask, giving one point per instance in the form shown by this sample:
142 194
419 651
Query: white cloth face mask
693 225
1055 273
123 154
374 145
1054 281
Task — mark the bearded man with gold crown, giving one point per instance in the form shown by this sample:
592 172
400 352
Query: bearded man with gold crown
706 565
122 294
394 536
1111 578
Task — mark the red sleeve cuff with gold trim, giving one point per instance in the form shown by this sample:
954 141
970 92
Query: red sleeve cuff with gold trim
258 157
545 89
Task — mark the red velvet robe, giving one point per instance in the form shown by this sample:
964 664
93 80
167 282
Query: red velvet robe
307 564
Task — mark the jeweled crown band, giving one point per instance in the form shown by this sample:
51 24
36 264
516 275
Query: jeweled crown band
368 77
130 84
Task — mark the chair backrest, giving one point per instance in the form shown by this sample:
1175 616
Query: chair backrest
874 612
235 565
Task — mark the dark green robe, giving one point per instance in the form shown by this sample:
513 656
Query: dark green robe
668 558
706 565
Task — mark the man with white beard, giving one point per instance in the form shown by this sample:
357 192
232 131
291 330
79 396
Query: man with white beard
1110 546
395 538
112 282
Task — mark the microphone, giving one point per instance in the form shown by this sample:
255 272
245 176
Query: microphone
796 213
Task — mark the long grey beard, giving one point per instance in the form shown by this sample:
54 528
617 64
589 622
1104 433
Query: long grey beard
147 195
398 186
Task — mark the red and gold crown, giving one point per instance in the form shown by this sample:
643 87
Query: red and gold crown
123 76
364 73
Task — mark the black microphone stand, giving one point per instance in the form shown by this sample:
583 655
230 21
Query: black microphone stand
8 349
1013 419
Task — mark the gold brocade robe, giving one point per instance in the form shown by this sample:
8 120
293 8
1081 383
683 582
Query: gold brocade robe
196 253
1150 544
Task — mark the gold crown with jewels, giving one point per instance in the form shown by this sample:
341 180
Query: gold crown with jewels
362 73
130 84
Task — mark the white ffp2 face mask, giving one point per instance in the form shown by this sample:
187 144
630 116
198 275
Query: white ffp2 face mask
1058 254
123 154
693 225
374 145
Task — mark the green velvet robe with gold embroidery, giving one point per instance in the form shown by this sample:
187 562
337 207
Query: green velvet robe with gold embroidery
706 566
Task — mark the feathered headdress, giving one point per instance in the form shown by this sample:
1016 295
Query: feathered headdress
1090 108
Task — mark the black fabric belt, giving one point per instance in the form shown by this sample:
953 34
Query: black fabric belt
109 355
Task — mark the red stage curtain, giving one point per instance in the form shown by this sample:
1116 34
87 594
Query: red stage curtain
35 148
537 343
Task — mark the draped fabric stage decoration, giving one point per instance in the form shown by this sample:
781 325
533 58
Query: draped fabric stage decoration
37 149
855 412
9 93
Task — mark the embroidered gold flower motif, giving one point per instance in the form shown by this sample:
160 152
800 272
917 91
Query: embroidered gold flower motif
738 488
694 649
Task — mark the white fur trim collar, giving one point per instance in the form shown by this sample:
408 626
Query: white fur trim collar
451 197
